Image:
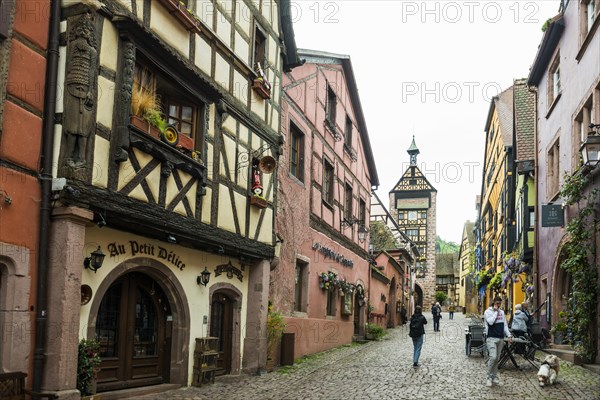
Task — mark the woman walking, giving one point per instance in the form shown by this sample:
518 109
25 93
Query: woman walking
416 332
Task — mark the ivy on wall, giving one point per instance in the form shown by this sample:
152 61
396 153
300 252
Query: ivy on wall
578 251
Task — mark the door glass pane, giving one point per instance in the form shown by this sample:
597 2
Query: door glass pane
146 325
216 322
107 323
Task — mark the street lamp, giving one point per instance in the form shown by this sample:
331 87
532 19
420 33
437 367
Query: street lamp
362 233
590 149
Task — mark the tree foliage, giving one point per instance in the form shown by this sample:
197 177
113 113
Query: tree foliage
442 246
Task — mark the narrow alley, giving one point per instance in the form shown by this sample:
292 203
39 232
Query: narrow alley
383 370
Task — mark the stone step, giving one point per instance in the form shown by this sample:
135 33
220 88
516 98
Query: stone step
567 354
129 393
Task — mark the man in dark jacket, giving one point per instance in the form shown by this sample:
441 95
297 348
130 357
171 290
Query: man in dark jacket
416 332
436 312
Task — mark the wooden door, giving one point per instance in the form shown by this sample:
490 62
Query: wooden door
131 328
221 326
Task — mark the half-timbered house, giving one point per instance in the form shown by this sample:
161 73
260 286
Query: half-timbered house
166 141
327 170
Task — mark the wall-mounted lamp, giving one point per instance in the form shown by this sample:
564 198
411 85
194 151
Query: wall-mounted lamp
204 277
95 260
590 149
362 233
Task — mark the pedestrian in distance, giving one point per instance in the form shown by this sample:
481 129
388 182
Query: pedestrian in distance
436 312
403 314
417 332
496 328
451 311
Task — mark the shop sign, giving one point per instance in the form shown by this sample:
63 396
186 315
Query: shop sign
328 253
134 248
552 215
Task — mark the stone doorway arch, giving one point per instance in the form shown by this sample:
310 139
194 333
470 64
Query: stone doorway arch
180 313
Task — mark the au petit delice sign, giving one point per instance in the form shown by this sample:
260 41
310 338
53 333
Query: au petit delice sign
136 248
328 253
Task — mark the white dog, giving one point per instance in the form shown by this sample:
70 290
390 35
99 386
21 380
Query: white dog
549 370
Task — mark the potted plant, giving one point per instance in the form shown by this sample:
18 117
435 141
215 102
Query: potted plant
275 328
374 331
559 330
261 85
88 361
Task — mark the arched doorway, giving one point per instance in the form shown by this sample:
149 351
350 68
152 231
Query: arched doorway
562 287
418 296
221 326
134 333
358 314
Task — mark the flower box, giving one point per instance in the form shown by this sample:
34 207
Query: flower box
186 142
145 126
179 11
258 202
262 88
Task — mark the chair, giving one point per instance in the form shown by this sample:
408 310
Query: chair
475 340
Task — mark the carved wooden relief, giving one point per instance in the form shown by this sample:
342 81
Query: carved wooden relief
80 94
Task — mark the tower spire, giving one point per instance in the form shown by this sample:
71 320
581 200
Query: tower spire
413 151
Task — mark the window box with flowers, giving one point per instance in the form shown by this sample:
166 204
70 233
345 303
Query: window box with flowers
183 14
261 85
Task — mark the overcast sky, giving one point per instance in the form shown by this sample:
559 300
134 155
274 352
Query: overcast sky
429 69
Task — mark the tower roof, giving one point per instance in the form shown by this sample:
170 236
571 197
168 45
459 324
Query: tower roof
413 149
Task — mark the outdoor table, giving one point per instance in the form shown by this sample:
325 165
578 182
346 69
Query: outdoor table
508 352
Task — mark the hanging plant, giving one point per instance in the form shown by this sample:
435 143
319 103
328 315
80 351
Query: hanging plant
496 281
483 278
346 287
578 251
328 280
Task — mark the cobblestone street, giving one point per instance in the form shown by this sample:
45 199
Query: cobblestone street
383 370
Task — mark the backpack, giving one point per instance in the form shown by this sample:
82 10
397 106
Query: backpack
435 310
416 327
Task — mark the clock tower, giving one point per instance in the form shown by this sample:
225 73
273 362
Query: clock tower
413 206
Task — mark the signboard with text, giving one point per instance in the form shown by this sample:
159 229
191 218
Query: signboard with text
552 215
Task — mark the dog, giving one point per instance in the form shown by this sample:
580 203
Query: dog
548 370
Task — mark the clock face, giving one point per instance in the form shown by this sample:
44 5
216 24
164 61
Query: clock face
412 215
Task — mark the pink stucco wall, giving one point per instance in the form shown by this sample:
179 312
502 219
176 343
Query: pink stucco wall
303 220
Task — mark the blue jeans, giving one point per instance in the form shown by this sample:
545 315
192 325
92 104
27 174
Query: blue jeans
418 343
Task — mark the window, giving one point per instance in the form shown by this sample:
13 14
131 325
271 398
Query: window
554 85
531 217
412 233
331 296
260 50
4 17
362 212
348 202
348 132
401 215
301 286
156 92
423 214
553 169
331 105
296 152
328 182
588 12
581 128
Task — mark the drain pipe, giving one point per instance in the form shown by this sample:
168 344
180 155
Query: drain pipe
45 177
